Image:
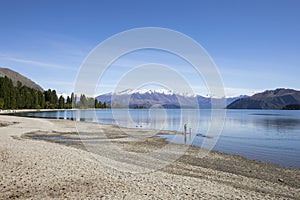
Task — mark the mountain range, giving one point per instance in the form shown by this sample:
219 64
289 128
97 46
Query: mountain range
146 98
15 77
269 99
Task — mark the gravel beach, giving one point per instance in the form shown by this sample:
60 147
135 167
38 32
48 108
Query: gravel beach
44 159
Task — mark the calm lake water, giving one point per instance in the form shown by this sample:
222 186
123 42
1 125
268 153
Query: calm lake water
265 135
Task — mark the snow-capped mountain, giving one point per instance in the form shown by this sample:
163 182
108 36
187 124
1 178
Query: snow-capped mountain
146 98
150 91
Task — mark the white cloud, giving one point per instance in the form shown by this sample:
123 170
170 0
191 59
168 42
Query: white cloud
34 62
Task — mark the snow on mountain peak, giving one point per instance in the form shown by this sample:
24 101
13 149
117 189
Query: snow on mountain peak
128 91
151 91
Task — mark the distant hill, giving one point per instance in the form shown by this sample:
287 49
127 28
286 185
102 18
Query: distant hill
165 98
15 77
270 99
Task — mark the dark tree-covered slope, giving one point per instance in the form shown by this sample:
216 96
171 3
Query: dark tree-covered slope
270 99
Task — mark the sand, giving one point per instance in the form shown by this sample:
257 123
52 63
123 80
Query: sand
64 169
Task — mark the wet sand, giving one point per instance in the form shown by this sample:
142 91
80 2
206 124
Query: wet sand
44 159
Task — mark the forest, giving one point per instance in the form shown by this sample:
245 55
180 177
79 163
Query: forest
20 96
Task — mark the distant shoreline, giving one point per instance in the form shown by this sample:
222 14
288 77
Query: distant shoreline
39 110
27 110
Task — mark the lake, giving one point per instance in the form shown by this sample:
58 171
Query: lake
271 136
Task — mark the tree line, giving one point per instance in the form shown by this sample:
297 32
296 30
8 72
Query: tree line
292 107
23 97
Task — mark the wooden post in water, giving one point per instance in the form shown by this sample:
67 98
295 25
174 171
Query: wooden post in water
184 127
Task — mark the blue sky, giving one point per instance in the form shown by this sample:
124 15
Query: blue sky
255 44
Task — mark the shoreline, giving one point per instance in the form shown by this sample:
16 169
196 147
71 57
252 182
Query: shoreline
69 139
12 111
165 132
43 169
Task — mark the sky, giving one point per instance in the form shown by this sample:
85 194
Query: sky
254 44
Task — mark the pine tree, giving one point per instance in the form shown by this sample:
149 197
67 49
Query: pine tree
83 102
61 102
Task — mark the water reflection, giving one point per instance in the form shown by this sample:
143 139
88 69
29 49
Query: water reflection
279 123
